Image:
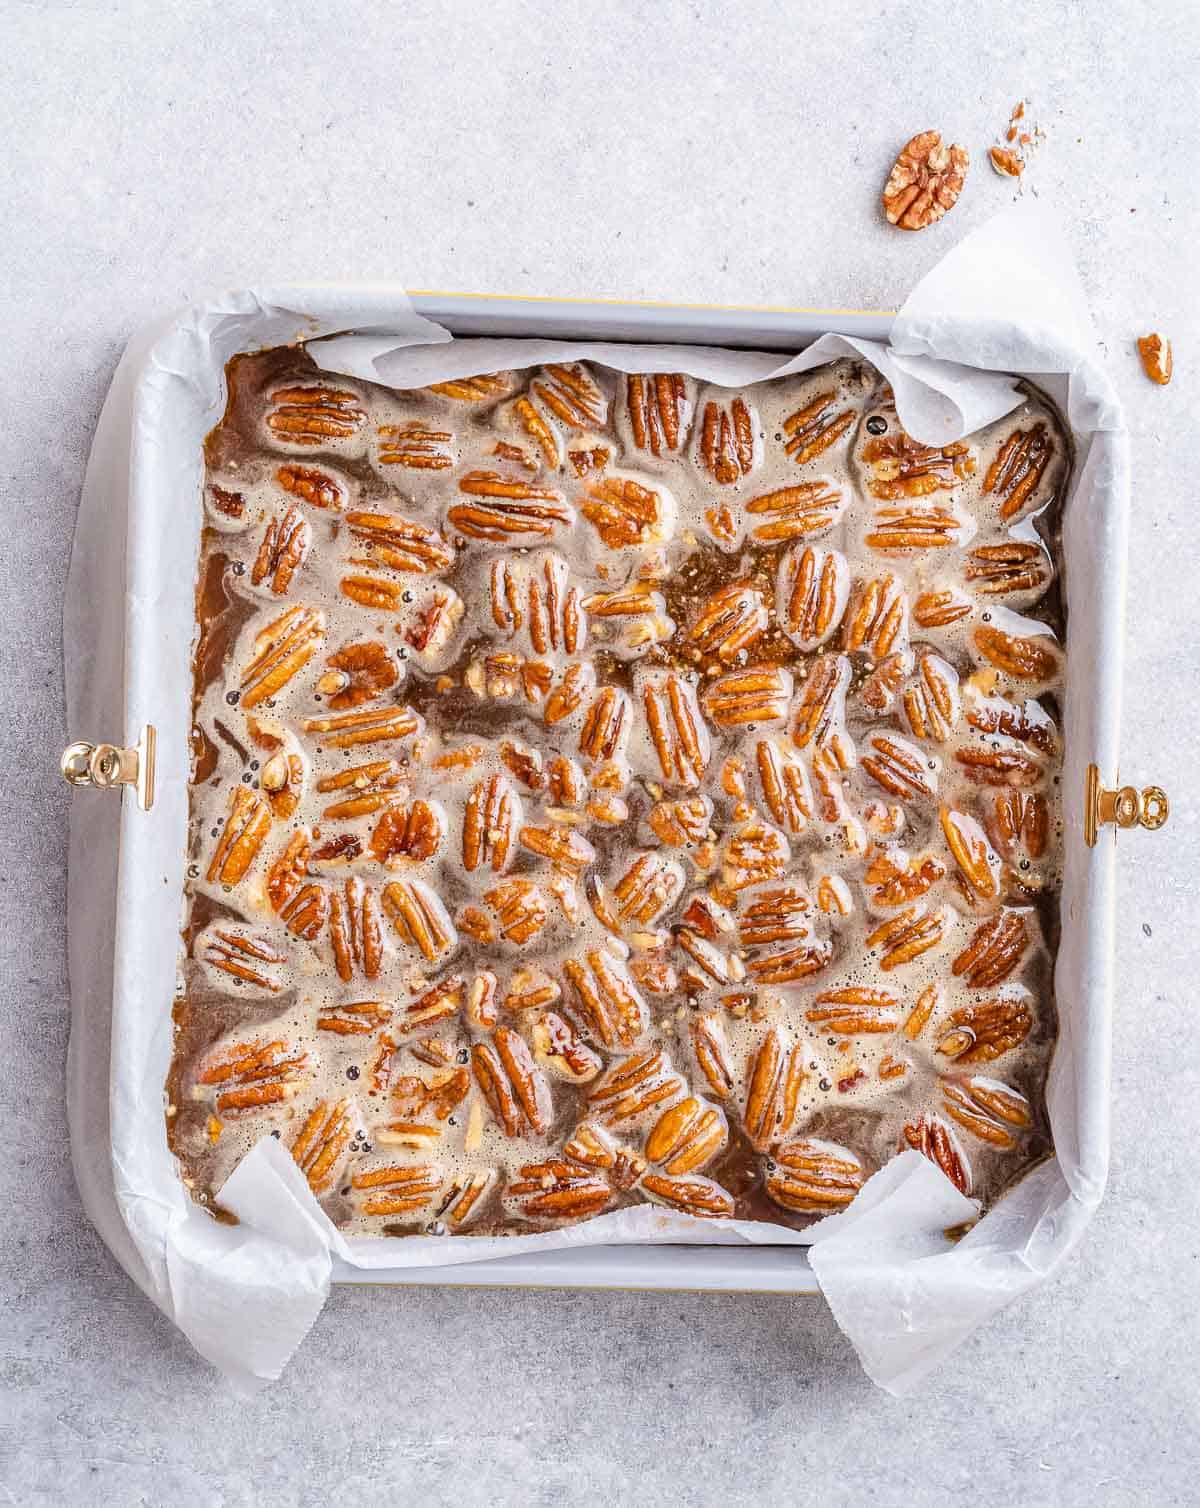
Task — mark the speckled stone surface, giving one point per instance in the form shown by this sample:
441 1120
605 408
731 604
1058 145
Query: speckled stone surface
704 152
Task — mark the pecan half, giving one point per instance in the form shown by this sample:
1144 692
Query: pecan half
414 831
394 1189
245 830
314 415
712 1053
811 430
321 1142
624 512
538 596
925 181
490 820
855 1009
754 697
284 549
415 447
636 1086
520 908
658 407
986 1029
1028 659
650 885
813 1177
931 702
606 727
899 767
796 512
977 863
312 486
1000 570
360 1018
987 766
727 441
557 1190
363 788
680 824
774 1076
419 917
592 1147
507 509
692 1195
787 794
994 951
990 1110
242 955
374 725
898 530
355 930
401 543
907 935
940 609
607 999
732 619
571 393
812 593
901 468
687 1136
359 672
820 707
250 1077
472 389
1021 821
281 650
637 613
876 620
512 1084
676 728
1016 472
933 1138
1028 722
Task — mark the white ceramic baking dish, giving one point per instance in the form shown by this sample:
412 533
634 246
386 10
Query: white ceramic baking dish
158 624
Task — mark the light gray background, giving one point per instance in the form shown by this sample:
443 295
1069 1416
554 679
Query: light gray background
716 153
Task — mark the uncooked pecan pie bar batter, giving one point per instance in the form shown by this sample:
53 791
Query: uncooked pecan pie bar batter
611 789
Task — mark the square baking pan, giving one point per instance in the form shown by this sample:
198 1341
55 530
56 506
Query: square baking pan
158 828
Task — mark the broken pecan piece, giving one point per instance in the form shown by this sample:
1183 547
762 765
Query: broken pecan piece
940 609
812 1177
755 853
988 766
557 1047
520 908
1157 360
925 181
680 824
787 794
901 468
712 1053
638 614
538 596
360 1018
472 389
464 1197
973 854
571 393
895 883
820 707
606 727
649 886
246 828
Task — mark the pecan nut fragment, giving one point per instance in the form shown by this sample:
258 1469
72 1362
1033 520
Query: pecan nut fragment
907 935
355 931
636 1086
285 545
933 1138
490 820
507 509
732 619
314 415
941 608
755 697
1017 471
677 730
568 852
440 1002
242 958
520 908
899 767
728 441
812 1177
687 1137
637 614
557 1190
419 917
1027 659
401 543
987 1029
321 1142
394 1188
691 1195
774 1076
359 672
592 1147
245 830
626 512
512 1084
812 593
855 1009
312 486
992 1111
796 512
1027 722
925 181
371 726
755 853
681 824
658 410
811 430
931 701
986 766
250 1077
464 1197
1157 360
557 1047
415 447
893 882
902 468
607 999
994 951
281 651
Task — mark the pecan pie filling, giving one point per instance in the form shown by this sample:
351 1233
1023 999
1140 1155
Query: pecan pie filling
611 789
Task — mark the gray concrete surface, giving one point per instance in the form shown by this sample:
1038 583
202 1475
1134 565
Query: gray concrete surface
732 153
